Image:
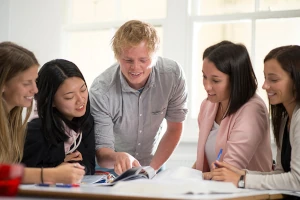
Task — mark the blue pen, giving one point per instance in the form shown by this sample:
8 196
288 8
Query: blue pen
58 185
63 185
219 155
66 185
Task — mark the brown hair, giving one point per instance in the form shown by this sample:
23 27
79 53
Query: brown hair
289 59
14 59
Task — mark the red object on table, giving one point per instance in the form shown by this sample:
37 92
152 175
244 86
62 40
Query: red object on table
10 178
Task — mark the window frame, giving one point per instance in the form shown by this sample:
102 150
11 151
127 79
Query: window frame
193 71
180 46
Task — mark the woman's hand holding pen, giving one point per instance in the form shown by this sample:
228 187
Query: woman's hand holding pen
230 167
71 173
68 173
207 175
224 172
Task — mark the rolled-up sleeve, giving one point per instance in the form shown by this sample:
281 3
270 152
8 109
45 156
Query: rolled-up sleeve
104 135
177 107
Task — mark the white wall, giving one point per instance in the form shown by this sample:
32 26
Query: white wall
34 24
4 20
175 31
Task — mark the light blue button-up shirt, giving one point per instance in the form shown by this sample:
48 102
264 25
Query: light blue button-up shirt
129 121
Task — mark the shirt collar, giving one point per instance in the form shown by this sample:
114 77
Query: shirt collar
150 82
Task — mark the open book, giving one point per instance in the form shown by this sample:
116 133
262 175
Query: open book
179 180
136 173
184 173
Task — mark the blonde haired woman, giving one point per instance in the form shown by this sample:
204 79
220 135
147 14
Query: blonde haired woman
18 73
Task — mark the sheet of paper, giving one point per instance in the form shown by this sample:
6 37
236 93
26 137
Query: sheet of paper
163 187
179 180
179 173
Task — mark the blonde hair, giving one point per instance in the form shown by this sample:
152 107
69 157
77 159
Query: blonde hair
14 59
131 34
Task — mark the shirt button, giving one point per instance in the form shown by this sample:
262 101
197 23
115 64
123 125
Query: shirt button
139 143
140 114
162 113
140 131
137 154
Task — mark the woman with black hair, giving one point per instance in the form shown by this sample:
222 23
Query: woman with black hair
233 117
62 128
282 84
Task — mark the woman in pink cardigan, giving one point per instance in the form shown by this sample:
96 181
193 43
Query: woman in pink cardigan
233 117
282 84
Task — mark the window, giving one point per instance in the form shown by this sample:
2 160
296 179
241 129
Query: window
94 11
260 25
207 34
186 28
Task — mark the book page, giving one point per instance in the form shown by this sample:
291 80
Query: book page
179 173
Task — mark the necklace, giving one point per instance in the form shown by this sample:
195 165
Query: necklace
223 114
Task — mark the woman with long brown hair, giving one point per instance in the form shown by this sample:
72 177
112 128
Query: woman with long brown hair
18 73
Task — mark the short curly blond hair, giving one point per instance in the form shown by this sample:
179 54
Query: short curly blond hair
131 34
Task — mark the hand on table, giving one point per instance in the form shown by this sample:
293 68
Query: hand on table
69 173
224 172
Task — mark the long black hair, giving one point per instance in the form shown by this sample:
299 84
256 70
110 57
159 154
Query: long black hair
234 60
289 59
50 77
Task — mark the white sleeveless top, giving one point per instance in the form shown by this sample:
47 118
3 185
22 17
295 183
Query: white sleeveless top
210 144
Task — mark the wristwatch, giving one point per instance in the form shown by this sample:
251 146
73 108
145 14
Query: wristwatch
241 183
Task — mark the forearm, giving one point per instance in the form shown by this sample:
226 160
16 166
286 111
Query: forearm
36 175
166 147
106 157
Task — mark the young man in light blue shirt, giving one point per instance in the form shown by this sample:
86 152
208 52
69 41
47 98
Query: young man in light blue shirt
130 100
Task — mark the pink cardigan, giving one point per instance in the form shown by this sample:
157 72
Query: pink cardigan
244 136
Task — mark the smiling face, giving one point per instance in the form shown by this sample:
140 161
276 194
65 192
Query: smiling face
20 90
136 65
71 98
216 83
278 84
